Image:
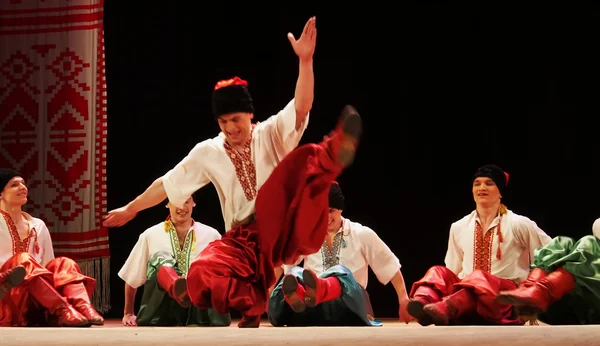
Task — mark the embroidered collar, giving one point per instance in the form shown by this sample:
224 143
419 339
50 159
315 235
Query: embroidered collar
19 245
182 253
483 242
332 258
244 166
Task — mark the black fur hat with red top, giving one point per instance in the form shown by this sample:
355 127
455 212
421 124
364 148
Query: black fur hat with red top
231 96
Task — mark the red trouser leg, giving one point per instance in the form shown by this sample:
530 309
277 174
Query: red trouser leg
542 293
437 283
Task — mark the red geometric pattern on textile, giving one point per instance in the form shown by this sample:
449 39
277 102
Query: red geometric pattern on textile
53 116
53 123
100 145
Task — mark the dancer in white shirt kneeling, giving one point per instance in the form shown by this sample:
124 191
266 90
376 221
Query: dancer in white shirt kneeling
160 261
489 250
331 288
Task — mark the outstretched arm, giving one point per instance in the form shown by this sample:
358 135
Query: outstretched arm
304 48
153 195
178 185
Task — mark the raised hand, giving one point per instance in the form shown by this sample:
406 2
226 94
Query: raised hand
304 47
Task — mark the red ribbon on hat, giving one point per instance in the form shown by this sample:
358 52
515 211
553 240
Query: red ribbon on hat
233 81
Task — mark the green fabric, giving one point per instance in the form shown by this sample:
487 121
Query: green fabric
159 309
582 260
350 309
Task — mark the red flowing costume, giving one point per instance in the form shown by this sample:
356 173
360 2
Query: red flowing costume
291 218
19 309
475 295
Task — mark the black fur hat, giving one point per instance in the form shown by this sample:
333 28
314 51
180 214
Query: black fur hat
497 174
231 96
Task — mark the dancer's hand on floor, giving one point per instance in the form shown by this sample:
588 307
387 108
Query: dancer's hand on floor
129 320
404 315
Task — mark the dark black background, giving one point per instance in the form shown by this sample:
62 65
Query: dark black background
443 88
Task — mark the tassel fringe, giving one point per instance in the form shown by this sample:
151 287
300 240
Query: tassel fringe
99 269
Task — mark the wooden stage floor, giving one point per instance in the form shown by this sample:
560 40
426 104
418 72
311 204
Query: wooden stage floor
392 333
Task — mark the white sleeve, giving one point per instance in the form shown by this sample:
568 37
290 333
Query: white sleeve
380 258
454 255
187 176
134 270
45 243
216 234
529 234
280 132
596 228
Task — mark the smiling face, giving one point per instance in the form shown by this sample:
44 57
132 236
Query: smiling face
335 220
183 215
485 192
236 127
14 193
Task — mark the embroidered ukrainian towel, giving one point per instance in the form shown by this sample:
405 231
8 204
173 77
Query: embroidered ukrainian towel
53 123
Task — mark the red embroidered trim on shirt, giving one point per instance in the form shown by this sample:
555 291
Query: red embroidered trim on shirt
482 247
244 167
19 245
